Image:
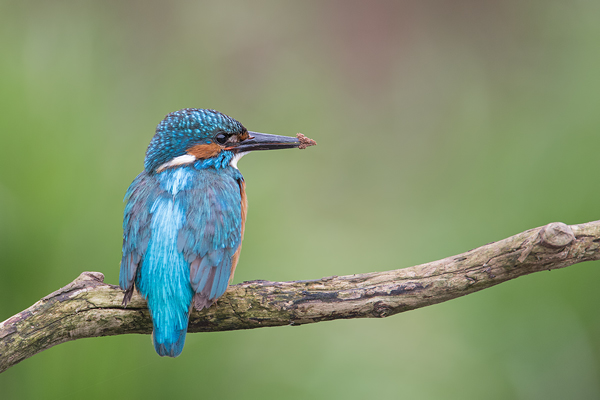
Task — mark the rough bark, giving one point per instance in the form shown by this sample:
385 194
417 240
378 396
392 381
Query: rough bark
88 307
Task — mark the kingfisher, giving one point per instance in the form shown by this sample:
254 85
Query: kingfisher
184 217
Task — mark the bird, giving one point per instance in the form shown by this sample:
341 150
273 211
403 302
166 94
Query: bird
184 217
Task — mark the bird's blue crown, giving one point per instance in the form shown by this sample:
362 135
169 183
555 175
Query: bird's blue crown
183 129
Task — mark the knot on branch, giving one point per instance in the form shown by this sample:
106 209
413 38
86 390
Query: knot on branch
90 276
556 235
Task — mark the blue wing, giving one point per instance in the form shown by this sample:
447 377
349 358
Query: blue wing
211 236
140 196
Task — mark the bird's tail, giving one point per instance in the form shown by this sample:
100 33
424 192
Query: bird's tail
168 342
170 316
169 301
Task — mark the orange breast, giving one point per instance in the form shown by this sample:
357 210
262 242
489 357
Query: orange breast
236 256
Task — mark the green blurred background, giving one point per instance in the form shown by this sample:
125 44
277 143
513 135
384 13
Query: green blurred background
442 126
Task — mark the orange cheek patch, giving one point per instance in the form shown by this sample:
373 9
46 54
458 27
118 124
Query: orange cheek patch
204 151
243 136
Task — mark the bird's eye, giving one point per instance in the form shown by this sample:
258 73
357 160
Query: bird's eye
221 138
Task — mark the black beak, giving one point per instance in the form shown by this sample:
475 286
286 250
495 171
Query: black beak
265 141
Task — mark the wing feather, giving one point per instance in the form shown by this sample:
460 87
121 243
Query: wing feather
136 228
210 238
212 233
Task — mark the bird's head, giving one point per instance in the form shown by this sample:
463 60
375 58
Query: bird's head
208 138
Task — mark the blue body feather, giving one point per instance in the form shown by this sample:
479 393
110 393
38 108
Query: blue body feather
184 218
181 227
179 217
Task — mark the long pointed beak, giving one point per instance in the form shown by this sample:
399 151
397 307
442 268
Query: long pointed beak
265 141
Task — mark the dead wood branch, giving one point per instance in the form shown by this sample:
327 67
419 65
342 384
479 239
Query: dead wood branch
88 307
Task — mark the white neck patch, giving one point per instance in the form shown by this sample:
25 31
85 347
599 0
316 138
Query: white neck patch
181 160
236 158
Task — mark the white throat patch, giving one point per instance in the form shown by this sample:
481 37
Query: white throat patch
236 158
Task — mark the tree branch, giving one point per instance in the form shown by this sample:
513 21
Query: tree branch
88 307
